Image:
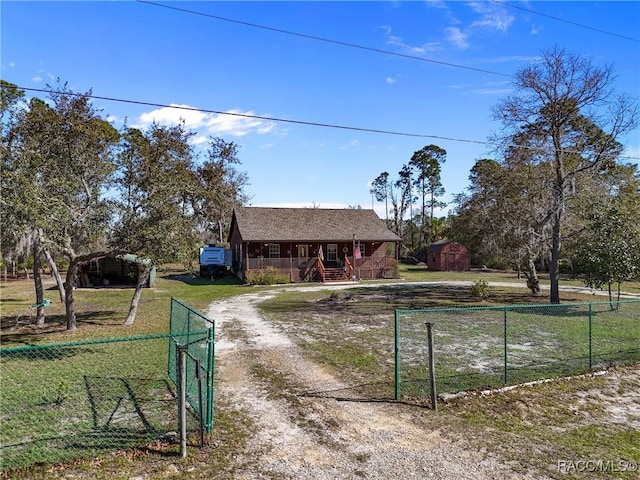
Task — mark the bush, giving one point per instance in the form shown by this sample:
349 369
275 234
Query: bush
480 289
266 276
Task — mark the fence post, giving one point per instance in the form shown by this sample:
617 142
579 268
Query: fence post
182 398
397 355
200 403
210 385
506 378
432 367
590 337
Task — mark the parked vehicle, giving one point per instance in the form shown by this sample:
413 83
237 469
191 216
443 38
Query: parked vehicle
213 260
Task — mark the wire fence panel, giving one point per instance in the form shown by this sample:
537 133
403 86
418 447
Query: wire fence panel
193 331
60 402
480 347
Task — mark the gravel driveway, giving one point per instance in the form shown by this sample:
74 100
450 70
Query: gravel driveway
308 433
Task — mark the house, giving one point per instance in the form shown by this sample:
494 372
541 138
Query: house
448 255
313 244
117 271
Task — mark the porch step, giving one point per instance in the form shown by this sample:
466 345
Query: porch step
335 275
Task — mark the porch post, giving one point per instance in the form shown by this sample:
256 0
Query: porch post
246 265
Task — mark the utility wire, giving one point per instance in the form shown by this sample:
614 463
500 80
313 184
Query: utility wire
283 120
323 39
566 21
259 117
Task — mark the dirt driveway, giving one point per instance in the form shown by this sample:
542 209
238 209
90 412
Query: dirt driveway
304 431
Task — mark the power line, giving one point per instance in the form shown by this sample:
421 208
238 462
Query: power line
323 39
566 21
259 117
283 120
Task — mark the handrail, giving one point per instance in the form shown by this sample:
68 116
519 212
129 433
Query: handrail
349 267
321 268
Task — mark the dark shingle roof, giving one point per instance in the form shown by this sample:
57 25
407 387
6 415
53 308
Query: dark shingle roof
300 224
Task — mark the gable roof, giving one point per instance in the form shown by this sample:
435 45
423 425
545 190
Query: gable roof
437 247
259 224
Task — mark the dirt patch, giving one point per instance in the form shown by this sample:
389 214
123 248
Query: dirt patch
304 428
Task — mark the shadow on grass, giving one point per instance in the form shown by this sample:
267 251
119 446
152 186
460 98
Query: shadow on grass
197 281
385 299
115 413
28 333
360 394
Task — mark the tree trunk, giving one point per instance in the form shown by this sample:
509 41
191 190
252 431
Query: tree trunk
143 276
69 304
37 280
532 278
56 274
554 266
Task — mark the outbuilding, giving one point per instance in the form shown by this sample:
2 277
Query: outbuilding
117 271
448 255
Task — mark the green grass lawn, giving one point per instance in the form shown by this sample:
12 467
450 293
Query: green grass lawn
84 388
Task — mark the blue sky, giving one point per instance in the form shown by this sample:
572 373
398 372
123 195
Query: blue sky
137 51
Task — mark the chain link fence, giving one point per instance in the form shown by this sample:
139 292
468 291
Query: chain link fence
194 332
74 400
484 347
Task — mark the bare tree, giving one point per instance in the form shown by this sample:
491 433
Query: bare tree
572 119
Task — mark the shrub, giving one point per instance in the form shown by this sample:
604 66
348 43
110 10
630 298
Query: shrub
480 289
266 276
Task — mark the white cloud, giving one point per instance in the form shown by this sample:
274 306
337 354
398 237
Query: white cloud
351 144
175 114
390 80
457 37
199 139
232 122
407 49
112 118
492 16
535 30
514 58
37 79
236 123
12 64
266 146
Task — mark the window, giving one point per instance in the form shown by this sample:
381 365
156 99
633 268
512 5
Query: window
332 252
274 250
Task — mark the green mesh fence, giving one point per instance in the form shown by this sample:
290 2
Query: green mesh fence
194 332
478 347
65 401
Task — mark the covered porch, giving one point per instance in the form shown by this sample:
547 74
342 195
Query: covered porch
311 261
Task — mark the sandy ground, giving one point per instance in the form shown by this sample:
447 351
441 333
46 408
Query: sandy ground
317 436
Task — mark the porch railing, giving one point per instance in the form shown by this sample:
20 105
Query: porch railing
321 269
351 265
348 266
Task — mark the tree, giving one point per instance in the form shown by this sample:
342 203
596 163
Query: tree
380 188
60 162
565 107
220 187
502 216
405 185
607 251
154 221
426 162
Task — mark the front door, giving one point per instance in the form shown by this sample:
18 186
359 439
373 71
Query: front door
332 255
